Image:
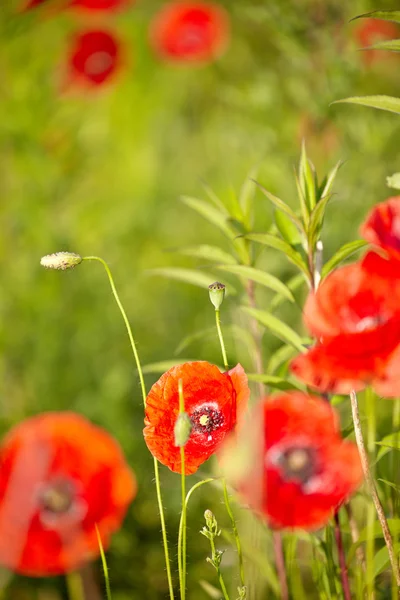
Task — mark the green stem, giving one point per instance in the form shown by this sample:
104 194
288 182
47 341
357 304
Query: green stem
221 338
182 537
75 586
144 395
220 578
235 532
370 550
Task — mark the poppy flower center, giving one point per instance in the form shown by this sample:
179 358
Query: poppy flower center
206 418
298 464
98 63
57 497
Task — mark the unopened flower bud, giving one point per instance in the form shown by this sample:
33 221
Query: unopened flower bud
217 294
61 260
182 429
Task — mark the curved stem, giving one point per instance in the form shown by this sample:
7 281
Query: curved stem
235 532
221 338
218 569
182 538
144 395
371 484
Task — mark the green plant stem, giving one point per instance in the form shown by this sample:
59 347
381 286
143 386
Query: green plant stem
220 578
280 564
182 538
371 485
371 428
235 532
344 575
104 565
221 338
144 396
75 586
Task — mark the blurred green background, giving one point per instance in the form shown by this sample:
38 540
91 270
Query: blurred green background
101 173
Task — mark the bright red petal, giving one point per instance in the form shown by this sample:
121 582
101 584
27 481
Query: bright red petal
382 226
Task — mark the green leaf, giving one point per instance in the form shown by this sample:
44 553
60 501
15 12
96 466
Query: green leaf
274 382
246 197
386 15
274 242
393 45
282 206
307 179
279 357
382 561
206 252
164 365
198 278
214 199
388 103
293 284
317 220
389 442
344 252
269 281
211 214
391 485
393 181
302 199
330 180
286 228
276 326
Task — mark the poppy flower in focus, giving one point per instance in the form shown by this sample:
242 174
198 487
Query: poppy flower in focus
213 401
190 32
94 58
100 5
372 31
60 477
382 226
299 470
355 315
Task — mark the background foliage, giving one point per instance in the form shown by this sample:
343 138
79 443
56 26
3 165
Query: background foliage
102 174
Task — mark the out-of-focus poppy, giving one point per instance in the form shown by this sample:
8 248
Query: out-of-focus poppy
297 470
213 401
60 476
94 58
355 314
32 4
100 5
190 32
372 31
382 226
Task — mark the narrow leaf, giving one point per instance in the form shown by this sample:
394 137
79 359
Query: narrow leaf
198 278
274 242
293 284
211 214
269 281
275 382
393 45
246 196
164 365
317 219
206 252
386 15
327 189
276 326
388 103
344 252
286 228
281 355
391 441
281 205
307 179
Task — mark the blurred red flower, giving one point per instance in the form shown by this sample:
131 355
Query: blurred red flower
355 314
382 226
32 4
60 476
213 401
94 58
100 5
190 32
372 31
297 469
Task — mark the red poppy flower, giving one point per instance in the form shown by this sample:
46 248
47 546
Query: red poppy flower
100 5
298 470
382 226
94 57
372 31
60 476
190 31
213 401
355 313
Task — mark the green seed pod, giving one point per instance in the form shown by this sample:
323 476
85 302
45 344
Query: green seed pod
217 294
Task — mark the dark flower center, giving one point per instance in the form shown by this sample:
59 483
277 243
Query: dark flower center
298 464
57 497
207 418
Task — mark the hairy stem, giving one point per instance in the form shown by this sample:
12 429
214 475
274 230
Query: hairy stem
144 396
371 485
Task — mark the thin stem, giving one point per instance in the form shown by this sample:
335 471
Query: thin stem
235 532
371 428
344 575
220 578
144 395
75 586
221 338
371 484
280 564
182 538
